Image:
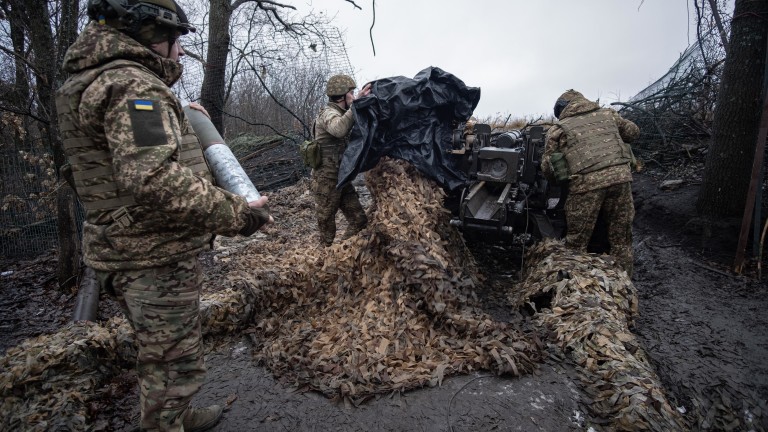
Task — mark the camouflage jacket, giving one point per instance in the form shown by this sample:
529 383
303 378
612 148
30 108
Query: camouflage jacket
331 132
556 143
130 118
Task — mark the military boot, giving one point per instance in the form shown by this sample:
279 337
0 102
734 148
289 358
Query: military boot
326 239
352 230
349 232
202 419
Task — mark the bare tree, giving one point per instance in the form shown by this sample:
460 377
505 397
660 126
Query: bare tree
40 37
737 114
69 240
252 20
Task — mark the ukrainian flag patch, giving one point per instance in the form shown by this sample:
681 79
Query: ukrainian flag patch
143 105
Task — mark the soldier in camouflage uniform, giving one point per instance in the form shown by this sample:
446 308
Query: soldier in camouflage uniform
589 147
331 129
151 206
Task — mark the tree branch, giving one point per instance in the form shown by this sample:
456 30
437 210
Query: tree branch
699 18
259 124
239 3
30 65
719 23
354 4
628 105
370 31
264 85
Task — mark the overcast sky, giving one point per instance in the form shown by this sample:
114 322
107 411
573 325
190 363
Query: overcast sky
522 53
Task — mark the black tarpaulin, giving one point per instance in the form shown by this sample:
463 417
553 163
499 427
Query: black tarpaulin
410 119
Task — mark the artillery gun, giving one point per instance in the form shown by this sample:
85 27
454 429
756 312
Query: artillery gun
506 196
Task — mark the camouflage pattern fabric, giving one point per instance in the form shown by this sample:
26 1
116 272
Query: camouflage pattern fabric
162 305
328 201
176 211
130 115
339 85
331 130
594 142
615 204
557 143
607 191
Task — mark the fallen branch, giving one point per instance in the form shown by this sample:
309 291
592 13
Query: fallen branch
706 267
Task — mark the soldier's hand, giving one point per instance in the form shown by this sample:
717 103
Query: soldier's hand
198 107
257 217
365 91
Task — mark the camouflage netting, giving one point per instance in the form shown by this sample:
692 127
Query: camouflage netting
593 305
47 382
387 310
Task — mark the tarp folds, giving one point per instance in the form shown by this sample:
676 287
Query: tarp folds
410 119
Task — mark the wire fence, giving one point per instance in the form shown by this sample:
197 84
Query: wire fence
275 87
28 212
675 113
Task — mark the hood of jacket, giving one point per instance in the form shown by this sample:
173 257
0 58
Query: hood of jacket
577 104
99 44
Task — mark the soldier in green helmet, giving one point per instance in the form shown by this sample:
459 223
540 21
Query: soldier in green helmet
331 132
151 205
588 147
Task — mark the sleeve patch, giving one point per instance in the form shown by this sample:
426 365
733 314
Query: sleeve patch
147 123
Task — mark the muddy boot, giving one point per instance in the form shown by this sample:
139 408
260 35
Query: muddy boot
202 419
351 231
326 237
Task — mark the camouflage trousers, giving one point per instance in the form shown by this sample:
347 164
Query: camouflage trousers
328 201
162 305
614 204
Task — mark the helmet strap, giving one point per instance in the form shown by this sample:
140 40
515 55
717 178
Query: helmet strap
171 41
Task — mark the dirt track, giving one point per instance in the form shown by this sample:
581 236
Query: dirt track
702 326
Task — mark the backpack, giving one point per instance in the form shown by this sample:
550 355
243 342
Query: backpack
310 152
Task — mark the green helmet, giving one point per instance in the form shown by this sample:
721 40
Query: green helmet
339 85
136 17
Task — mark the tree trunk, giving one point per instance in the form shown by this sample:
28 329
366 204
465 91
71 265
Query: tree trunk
214 80
69 240
19 97
737 114
47 62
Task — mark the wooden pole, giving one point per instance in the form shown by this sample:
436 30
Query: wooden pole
757 173
757 165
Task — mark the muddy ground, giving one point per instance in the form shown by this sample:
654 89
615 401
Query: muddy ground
704 327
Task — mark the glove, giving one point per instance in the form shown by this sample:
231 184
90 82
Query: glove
255 218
